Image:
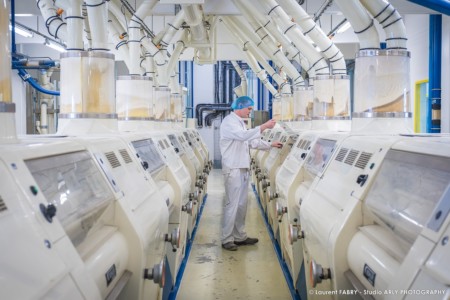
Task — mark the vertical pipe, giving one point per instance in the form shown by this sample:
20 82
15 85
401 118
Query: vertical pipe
434 112
13 28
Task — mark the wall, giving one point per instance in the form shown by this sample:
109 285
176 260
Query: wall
204 93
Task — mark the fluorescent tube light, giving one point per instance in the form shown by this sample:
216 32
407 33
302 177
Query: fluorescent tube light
22 32
54 46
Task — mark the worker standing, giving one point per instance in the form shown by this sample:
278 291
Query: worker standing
235 141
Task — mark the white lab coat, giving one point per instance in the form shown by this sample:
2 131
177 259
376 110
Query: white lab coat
235 143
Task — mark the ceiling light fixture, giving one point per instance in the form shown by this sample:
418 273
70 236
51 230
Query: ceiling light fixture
54 46
21 31
344 27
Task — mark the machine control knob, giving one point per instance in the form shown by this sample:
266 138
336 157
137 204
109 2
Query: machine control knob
177 150
303 155
361 180
173 238
280 210
295 234
188 208
317 273
48 211
273 195
145 165
157 273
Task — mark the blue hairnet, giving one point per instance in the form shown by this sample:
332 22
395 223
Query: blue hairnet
242 102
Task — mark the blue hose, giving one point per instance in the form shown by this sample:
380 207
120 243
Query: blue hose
27 77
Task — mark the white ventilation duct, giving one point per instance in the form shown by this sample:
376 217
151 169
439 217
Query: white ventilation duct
74 20
292 30
98 20
134 32
310 28
361 22
242 42
391 21
55 25
260 24
241 90
121 17
271 50
115 34
194 18
165 37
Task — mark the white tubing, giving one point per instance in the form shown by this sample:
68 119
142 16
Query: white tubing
87 29
56 27
310 28
274 51
292 30
74 20
121 17
194 18
170 30
390 20
361 22
115 37
242 89
98 19
266 23
244 43
134 32
174 58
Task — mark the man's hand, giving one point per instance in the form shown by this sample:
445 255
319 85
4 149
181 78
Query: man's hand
277 145
268 125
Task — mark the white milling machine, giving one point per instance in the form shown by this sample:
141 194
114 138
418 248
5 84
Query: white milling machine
161 162
261 157
306 161
331 213
83 219
269 169
255 169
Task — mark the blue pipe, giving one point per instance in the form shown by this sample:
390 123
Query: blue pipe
442 6
434 86
27 77
13 28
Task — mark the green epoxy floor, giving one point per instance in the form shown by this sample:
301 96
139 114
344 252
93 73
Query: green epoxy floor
251 272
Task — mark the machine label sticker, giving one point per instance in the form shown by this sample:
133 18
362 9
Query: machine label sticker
110 274
369 274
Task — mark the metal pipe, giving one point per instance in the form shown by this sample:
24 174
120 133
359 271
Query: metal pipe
434 86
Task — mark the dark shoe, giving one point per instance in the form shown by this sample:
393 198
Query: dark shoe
230 246
248 241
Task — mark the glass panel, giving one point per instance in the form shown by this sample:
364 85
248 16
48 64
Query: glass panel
73 183
319 156
146 149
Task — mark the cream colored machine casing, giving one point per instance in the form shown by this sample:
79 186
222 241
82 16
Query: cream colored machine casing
307 160
401 249
145 209
331 212
38 257
172 178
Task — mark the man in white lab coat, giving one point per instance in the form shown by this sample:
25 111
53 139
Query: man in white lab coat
235 141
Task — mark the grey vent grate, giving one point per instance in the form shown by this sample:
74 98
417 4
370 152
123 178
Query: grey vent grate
351 157
363 160
342 153
300 144
112 158
2 205
126 157
307 145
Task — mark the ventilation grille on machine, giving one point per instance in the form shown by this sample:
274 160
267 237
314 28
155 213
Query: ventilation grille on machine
306 146
3 206
300 144
112 158
342 153
363 160
126 157
351 157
